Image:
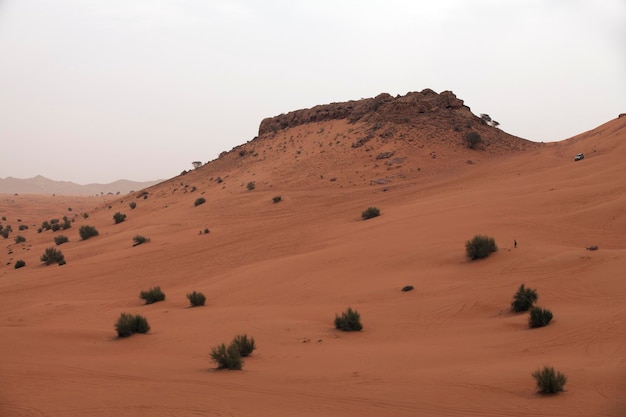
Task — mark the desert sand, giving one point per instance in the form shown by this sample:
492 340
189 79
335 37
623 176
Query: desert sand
280 272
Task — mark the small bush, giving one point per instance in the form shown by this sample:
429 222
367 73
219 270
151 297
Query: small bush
523 299
196 299
277 199
22 227
350 321
85 215
87 231
227 358
480 247
206 230
55 227
132 205
370 213
539 317
472 139
549 381
119 217
60 239
251 186
52 255
152 295
244 345
20 239
19 263
138 240
199 201
127 324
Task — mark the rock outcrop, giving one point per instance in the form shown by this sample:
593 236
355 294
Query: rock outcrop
383 107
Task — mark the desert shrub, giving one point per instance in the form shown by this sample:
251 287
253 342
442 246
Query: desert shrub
472 139
20 239
251 186
86 232
67 223
277 199
39 230
69 209
127 324
244 344
55 227
19 263
206 230
22 227
138 240
5 233
60 239
153 295
119 217
227 358
370 213
539 317
196 299
480 247
132 205
549 381
54 221
62 262
85 215
199 200
523 299
52 255
349 321
4 218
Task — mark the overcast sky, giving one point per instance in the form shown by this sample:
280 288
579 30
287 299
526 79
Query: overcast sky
100 90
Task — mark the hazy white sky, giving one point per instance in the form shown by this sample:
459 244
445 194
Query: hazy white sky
99 90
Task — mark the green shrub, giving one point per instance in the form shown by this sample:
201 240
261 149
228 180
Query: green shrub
19 263
153 295
66 223
55 227
244 344
119 217
138 240
370 213
196 299
227 358
86 232
132 205
22 227
472 139
60 239
349 321
539 317
52 255
20 239
199 200
549 381
523 299
480 247
277 199
127 324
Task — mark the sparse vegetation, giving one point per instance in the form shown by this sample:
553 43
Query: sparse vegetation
349 321
20 239
196 299
251 186
87 231
119 217
52 255
539 317
472 139
523 299
138 240
19 263
22 227
370 213
55 227
480 247
277 199
128 324
199 200
549 381
227 358
132 205
153 295
244 344
60 239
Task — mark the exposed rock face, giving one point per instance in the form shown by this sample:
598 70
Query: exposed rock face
383 107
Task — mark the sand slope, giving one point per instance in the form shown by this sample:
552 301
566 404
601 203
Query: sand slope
280 273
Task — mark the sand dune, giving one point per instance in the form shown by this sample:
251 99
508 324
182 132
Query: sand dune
280 272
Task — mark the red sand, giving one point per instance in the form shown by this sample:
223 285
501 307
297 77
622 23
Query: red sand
280 273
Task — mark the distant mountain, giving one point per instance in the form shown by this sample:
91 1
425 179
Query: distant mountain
43 185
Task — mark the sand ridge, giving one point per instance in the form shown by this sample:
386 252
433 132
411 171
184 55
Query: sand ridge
280 272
